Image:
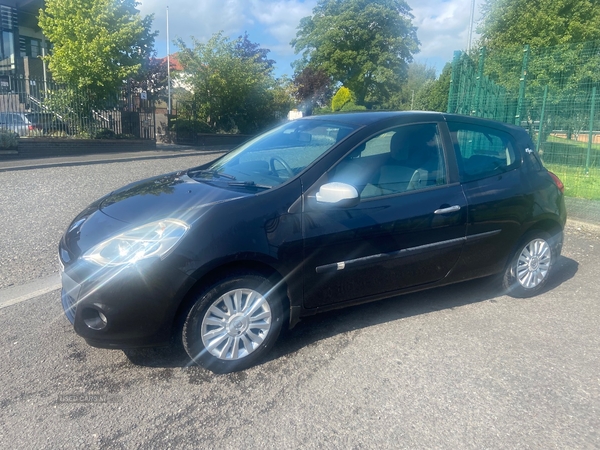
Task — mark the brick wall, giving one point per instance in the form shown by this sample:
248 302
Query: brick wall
39 147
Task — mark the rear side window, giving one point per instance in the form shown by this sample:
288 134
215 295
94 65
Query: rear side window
481 151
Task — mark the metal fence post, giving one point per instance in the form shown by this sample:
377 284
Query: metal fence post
591 132
453 91
523 79
475 110
541 125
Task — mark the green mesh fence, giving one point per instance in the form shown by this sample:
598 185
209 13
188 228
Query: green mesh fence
552 92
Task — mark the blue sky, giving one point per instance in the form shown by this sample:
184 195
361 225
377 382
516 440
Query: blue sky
442 24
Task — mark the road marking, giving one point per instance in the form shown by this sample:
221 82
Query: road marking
17 294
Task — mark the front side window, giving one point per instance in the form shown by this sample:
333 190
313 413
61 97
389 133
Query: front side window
403 159
481 151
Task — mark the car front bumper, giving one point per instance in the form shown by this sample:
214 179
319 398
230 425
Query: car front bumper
123 307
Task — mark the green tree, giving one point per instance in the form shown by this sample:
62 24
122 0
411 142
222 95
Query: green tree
563 36
97 44
230 91
365 45
558 32
418 76
540 23
434 94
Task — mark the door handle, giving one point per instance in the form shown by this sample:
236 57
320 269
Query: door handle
447 210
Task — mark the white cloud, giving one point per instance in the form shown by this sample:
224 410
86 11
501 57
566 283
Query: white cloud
442 24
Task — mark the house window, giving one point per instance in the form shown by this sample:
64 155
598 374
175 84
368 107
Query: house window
8 24
29 46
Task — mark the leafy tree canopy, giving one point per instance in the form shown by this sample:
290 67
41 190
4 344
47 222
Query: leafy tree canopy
313 87
364 44
245 48
232 90
418 76
539 23
434 94
560 33
97 44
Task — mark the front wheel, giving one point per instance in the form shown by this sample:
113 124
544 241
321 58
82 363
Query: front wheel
530 267
233 324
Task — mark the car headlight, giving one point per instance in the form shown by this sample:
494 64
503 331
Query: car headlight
153 239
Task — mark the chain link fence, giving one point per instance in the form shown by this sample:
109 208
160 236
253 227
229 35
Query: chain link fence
553 92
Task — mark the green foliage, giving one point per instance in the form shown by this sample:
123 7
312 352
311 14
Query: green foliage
105 133
418 77
96 43
341 97
541 23
433 96
8 139
351 106
232 90
559 32
364 44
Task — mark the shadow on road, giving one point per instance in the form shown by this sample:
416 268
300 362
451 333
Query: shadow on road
326 325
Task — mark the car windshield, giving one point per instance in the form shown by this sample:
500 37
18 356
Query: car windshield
275 156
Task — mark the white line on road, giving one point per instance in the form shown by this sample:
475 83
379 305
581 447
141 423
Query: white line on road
17 294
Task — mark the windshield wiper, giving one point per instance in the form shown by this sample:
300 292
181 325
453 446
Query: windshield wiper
249 184
214 173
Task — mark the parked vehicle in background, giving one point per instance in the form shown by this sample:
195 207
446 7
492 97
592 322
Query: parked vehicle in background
47 123
17 123
319 213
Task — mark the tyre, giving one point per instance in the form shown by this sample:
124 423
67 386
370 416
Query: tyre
233 324
530 266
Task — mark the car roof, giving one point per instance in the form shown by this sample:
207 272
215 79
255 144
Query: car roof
369 117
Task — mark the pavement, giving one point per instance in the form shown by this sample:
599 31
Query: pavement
578 209
161 151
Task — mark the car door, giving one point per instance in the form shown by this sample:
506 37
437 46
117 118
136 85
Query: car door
496 191
407 230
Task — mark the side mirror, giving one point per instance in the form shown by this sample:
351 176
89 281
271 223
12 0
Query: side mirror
338 194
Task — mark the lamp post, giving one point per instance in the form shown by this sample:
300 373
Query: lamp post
168 66
471 26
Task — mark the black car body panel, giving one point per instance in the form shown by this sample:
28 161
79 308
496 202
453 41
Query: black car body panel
323 256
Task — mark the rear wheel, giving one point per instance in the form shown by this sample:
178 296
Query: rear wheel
233 324
530 267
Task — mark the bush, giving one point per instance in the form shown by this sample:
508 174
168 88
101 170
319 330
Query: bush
351 106
104 133
341 97
8 139
191 126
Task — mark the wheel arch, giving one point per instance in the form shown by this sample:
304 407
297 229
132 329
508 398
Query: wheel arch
220 272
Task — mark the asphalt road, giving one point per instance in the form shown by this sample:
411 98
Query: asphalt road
459 367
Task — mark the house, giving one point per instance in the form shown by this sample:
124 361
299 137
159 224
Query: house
21 39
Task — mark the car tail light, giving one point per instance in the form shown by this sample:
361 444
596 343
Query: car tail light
559 184
30 127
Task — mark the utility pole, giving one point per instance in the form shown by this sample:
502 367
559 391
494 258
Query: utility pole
471 26
168 65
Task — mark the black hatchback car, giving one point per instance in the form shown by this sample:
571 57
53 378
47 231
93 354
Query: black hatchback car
316 214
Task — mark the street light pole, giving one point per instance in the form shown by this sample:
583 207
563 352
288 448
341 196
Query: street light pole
168 65
471 26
